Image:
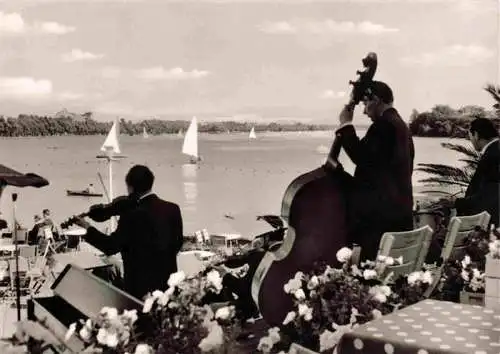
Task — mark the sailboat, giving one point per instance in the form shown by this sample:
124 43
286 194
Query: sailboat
252 134
144 133
190 146
110 145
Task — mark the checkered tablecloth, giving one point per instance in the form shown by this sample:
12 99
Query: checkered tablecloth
428 327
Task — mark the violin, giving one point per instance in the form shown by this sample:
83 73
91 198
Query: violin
103 212
315 207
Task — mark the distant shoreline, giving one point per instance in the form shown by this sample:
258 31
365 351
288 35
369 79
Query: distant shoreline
41 126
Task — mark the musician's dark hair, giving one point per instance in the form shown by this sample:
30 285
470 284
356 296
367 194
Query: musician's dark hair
484 128
382 91
45 211
140 178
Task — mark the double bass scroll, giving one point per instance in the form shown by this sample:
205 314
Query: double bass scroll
315 208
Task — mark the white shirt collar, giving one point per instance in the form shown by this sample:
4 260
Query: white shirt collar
145 195
488 145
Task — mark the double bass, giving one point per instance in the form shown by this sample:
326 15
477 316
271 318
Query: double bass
315 207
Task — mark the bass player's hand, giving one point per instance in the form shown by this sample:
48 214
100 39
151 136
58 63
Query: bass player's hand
346 116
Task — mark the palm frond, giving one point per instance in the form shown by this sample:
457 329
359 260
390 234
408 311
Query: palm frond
437 180
494 91
472 163
440 169
468 151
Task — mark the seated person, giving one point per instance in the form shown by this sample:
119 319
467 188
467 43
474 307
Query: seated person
90 189
482 194
33 234
47 221
381 197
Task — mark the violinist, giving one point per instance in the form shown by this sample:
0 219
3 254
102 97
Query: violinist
148 236
381 198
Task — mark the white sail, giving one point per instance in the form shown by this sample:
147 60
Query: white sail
144 133
190 146
111 142
252 134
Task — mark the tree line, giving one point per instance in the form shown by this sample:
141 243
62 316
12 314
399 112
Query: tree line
444 121
34 125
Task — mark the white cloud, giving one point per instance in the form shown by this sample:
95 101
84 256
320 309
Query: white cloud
325 27
13 23
78 55
160 73
330 94
18 87
456 55
53 28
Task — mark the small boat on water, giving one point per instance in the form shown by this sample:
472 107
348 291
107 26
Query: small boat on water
252 134
190 146
82 193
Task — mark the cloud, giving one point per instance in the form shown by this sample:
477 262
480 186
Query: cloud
325 27
160 73
78 55
13 23
330 94
456 55
16 87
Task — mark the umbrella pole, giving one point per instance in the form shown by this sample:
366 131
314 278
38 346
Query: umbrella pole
16 256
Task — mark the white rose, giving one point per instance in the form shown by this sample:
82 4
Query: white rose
85 333
274 334
148 304
213 340
427 277
327 340
313 283
299 294
344 254
109 312
143 349
466 261
292 285
102 335
305 312
112 340
413 278
131 315
369 274
223 313
289 317
214 279
176 279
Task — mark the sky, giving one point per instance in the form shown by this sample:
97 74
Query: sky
256 60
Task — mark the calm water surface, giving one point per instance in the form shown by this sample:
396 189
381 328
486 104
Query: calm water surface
238 177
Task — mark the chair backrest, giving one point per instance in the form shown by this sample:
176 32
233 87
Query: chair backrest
412 245
458 230
47 233
27 251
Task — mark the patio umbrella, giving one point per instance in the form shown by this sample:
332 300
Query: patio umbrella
10 177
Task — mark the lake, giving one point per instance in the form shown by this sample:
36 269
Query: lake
238 177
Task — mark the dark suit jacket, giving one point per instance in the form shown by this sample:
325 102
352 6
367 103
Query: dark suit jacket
483 191
382 196
148 238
